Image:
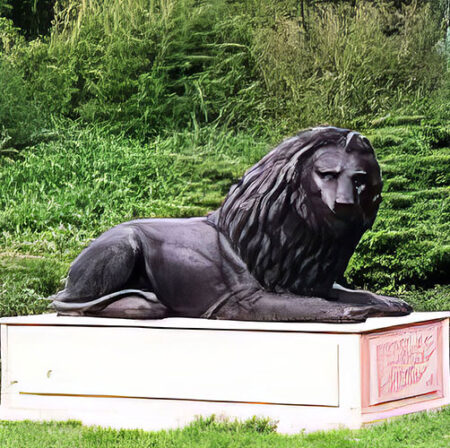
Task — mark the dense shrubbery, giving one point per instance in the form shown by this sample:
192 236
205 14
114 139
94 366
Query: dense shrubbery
410 242
143 66
350 63
21 119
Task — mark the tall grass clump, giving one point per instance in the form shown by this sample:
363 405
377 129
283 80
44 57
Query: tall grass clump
21 119
345 63
144 66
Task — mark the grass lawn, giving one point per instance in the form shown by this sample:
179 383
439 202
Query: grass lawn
430 430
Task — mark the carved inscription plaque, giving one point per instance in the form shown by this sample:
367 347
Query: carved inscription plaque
404 363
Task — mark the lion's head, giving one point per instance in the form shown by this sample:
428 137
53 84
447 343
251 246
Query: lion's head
296 216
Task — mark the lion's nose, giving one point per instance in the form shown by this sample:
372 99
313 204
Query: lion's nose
345 199
345 194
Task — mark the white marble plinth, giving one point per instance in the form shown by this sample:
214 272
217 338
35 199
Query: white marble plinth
157 374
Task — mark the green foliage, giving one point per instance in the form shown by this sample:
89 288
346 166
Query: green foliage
9 35
21 120
146 66
410 241
434 299
143 66
26 281
33 17
350 62
56 196
420 430
4 6
439 101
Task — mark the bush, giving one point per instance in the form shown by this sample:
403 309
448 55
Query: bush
21 120
146 66
143 66
409 243
350 62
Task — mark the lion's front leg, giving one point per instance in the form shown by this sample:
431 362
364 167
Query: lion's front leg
265 306
360 297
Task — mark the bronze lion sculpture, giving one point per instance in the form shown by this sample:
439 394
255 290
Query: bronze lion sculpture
273 251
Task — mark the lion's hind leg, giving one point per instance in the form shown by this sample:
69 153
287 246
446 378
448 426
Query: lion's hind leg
126 304
133 307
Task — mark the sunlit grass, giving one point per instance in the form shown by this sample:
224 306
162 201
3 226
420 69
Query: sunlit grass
423 430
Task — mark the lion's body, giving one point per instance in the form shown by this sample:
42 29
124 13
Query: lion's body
176 259
272 251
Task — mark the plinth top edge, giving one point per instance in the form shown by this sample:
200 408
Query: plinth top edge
371 324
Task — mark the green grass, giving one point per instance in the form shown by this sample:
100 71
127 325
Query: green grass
410 241
26 280
420 430
57 196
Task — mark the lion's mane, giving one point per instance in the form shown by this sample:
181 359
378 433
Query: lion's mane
270 220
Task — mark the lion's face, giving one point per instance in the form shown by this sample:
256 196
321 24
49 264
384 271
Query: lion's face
296 216
345 183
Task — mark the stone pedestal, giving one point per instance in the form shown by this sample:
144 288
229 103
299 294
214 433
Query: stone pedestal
158 374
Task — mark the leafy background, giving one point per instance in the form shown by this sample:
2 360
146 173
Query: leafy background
119 109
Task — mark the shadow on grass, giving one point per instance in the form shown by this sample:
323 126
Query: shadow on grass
26 280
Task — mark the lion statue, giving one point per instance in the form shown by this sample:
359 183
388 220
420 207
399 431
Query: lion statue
273 251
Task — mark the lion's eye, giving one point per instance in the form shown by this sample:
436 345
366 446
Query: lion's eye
328 175
358 181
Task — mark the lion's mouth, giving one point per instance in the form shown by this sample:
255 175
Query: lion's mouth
345 218
346 212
